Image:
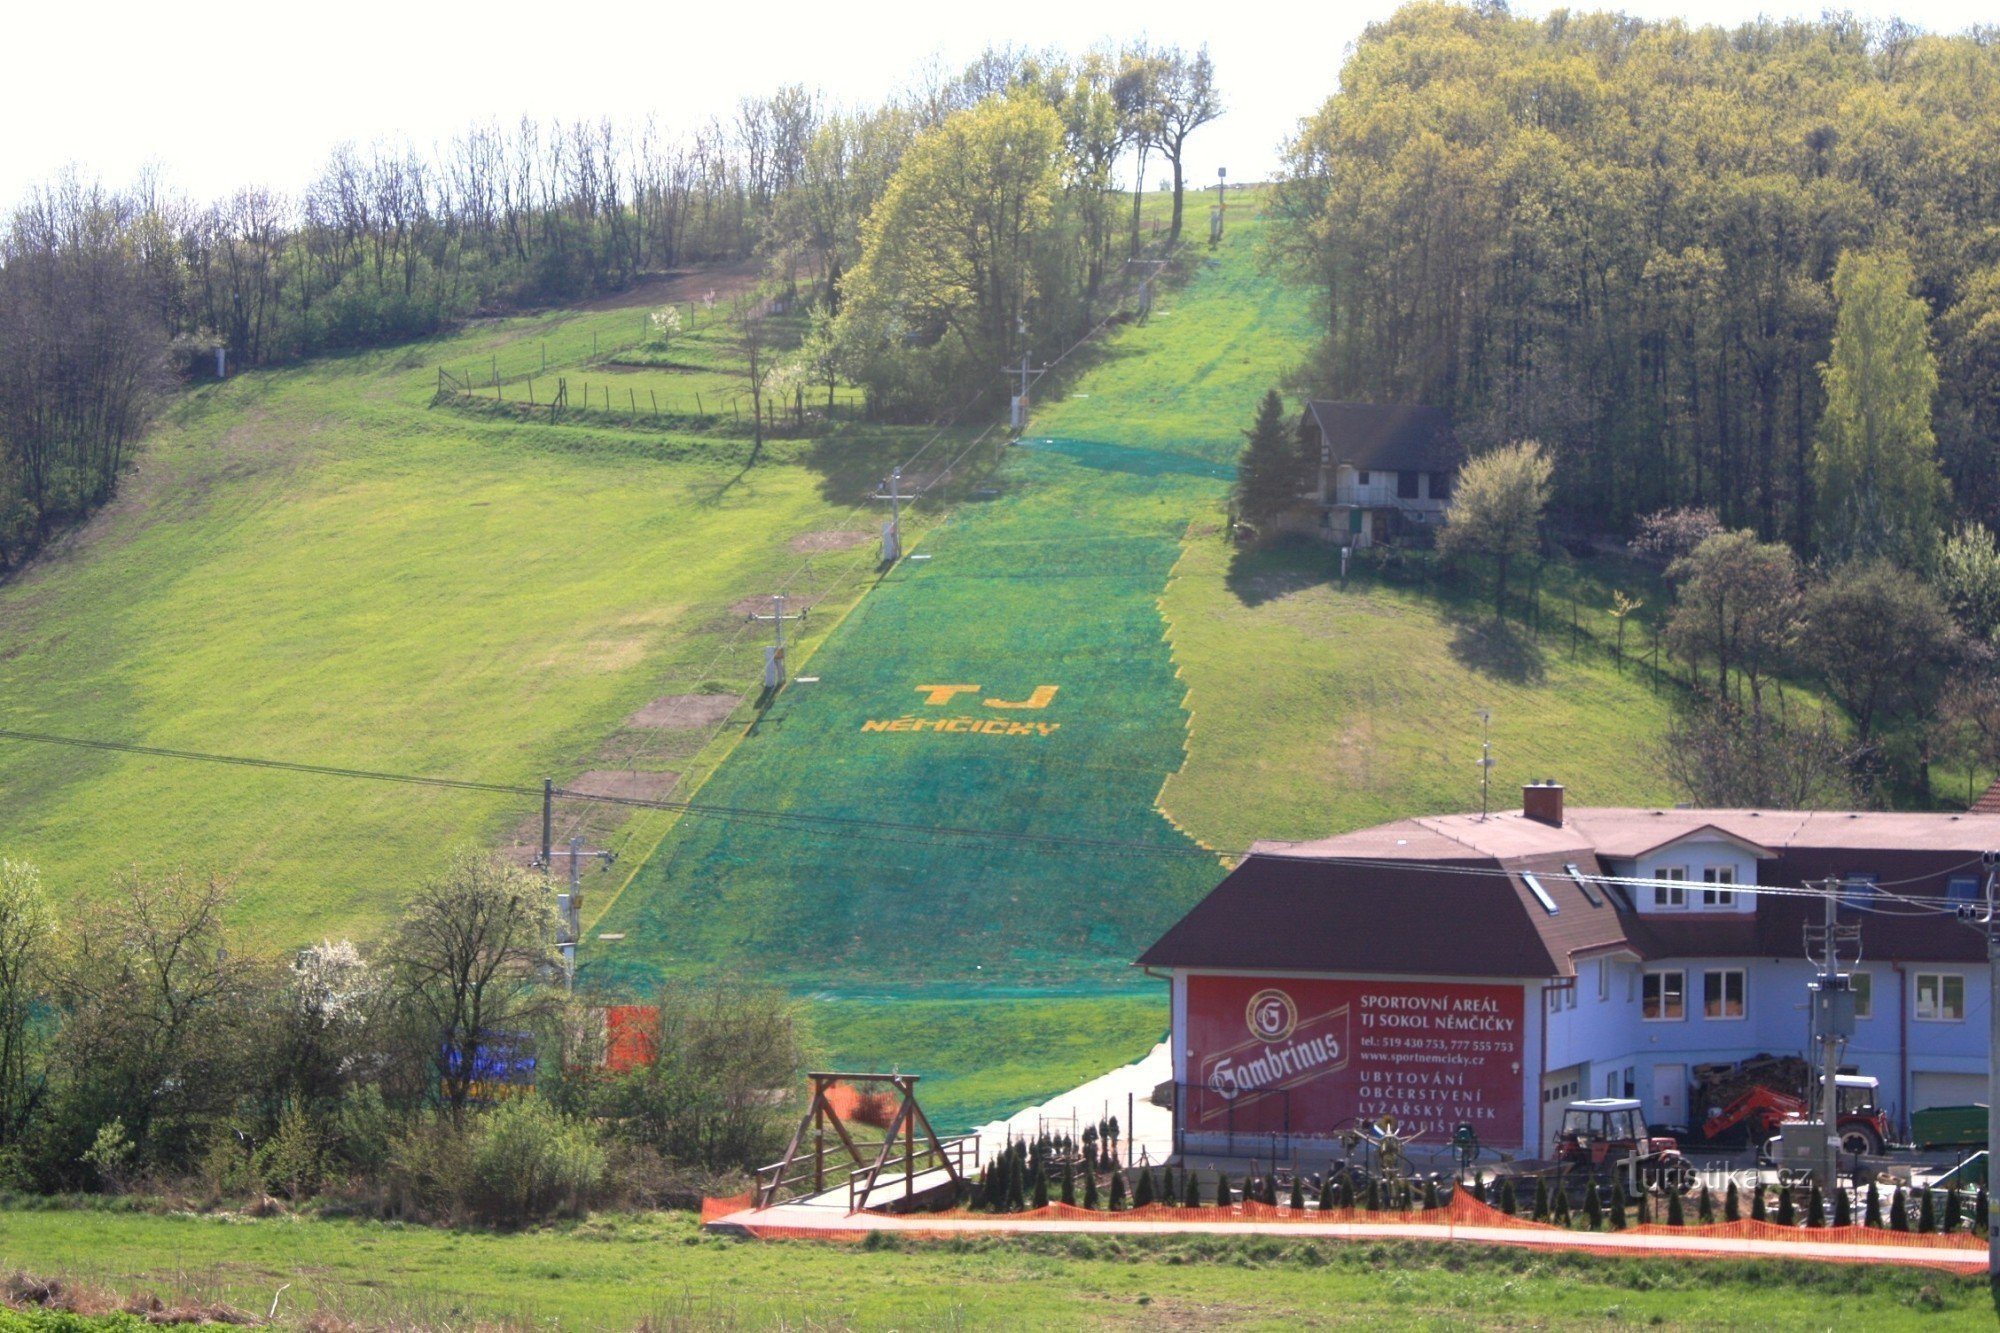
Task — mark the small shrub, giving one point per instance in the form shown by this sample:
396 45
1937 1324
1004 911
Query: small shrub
529 1161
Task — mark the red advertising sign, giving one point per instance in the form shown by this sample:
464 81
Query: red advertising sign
1306 1056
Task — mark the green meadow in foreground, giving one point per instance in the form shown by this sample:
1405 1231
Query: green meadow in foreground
660 1270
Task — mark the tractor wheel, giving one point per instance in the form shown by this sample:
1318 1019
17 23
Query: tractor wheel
1861 1140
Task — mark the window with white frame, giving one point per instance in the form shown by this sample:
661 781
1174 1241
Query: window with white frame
1863 986
1722 992
1940 997
1718 897
1670 895
1663 996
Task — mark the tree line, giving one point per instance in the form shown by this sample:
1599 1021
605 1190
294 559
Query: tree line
1002 231
1622 238
443 1072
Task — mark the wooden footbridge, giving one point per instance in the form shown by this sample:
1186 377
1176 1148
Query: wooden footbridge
836 1160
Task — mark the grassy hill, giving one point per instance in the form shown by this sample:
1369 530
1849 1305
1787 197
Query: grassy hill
316 565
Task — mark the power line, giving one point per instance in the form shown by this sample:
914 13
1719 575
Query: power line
904 831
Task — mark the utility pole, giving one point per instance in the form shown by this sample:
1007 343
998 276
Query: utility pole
1018 417
892 531
1833 1019
548 821
774 656
1986 918
1485 756
569 906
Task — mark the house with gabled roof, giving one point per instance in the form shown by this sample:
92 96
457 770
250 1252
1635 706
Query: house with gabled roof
1384 469
1485 970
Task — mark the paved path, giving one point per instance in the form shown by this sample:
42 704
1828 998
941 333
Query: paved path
801 1220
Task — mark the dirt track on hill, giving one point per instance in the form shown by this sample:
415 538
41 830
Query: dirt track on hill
725 280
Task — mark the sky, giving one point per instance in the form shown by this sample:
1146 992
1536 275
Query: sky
221 94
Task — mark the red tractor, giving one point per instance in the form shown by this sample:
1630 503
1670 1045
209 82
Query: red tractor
1761 1111
1602 1134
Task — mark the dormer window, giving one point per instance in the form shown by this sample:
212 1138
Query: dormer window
1718 897
1670 895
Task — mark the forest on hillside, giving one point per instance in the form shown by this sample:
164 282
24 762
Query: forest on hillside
1620 238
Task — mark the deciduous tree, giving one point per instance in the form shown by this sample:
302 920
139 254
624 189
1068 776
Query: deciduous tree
27 939
1496 510
1875 458
1738 606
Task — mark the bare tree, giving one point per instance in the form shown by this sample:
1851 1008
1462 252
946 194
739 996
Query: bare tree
1721 755
467 962
1187 100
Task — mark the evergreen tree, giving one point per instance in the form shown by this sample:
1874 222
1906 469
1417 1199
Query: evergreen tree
1090 1190
1732 1205
1329 1195
1706 1214
1676 1210
1873 1215
1787 1214
1541 1212
1431 1199
1875 458
1192 1181
1117 1191
1559 1205
1297 1200
1954 1213
1642 1207
1757 1213
1142 1190
1374 1200
1815 1206
1926 1212
1223 1197
1593 1208
1268 476
1843 1208
1618 1204
1510 1199
1041 1182
1270 1191
1899 1212
1017 1194
1068 1182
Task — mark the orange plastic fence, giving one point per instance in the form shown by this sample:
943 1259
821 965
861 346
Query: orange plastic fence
711 1209
1957 1251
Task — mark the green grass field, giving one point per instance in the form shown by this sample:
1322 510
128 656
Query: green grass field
314 565
1345 707
660 1271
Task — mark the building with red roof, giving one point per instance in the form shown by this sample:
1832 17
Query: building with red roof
1484 971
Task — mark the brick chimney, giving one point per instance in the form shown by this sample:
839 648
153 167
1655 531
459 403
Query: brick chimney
1543 802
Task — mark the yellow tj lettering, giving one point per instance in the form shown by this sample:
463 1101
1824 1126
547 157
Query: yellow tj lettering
1039 699
942 694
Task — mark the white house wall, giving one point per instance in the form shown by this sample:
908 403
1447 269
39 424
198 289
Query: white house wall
1610 1035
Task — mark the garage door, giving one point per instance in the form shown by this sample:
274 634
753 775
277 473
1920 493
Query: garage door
1946 1090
